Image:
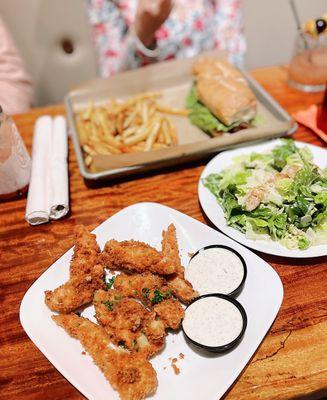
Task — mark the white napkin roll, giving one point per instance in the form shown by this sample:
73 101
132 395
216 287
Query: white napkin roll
59 201
37 208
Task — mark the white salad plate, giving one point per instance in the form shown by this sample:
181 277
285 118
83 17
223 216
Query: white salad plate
202 375
215 212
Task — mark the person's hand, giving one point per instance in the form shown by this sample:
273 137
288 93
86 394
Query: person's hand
150 15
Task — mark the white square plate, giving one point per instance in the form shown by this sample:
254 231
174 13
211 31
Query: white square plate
201 375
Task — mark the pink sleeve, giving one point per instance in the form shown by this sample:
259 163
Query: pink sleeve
15 84
229 34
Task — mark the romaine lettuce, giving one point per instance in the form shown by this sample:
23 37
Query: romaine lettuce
201 117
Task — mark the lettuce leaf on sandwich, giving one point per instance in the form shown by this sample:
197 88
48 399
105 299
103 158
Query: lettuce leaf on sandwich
203 118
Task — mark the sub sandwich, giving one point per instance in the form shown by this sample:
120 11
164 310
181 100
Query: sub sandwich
220 99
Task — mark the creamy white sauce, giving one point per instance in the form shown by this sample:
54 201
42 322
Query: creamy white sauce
215 270
212 321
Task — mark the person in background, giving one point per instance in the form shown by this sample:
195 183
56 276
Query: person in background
15 85
133 33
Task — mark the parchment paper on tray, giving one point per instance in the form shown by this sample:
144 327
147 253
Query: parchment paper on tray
173 79
187 152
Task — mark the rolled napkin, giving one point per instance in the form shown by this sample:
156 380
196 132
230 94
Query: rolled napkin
37 209
59 202
48 190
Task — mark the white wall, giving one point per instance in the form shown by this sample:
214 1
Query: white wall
270 28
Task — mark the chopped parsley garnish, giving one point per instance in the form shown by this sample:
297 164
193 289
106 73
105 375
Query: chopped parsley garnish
109 305
159 296
110 282
146 292
122 344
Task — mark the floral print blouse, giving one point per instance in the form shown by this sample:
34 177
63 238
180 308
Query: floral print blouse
192 27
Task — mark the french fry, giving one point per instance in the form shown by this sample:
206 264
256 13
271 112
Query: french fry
88 112
138 147
112 141
119 123
103 121
129 131
88 160
161 136
106 149
94 129
82 130
183 112
112 149
166 133
101 149
172 131
152 137
145 114
128 121
89 150
141 135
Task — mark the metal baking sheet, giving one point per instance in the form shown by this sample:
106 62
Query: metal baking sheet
173 79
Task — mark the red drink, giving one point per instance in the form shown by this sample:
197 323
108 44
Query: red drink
322 114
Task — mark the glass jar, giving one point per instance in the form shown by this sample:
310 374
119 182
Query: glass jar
15 162
308 67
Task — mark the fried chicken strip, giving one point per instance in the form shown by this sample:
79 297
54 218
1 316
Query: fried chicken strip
134 285
170 312
85 276
130 374
129 323
170 249
136 256
153 291
146 287
180 287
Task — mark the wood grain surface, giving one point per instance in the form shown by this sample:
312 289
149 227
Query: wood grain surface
290 362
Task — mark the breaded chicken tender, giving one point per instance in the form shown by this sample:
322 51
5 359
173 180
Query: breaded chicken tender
136 256
134 285
129 323
180 287
85 276
130 374
153 291
147 287
170 312
170 249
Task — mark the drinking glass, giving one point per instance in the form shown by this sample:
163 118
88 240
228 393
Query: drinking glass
15 162
308 67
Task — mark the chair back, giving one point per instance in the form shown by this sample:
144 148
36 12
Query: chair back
54 39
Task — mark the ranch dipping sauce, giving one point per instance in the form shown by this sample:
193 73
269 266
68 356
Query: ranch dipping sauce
212 321
215 270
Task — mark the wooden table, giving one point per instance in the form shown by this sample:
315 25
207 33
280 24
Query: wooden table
291 361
